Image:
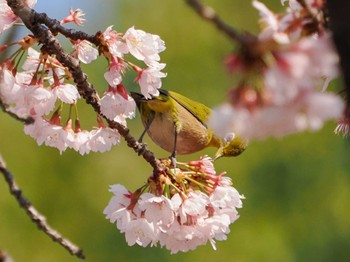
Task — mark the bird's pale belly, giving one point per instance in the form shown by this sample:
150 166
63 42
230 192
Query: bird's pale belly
192 135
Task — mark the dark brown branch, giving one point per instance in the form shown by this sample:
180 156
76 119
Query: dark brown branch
338 11
34 215
50 45
208 13
55 27
5 108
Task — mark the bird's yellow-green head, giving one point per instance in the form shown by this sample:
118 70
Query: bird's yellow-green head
232 145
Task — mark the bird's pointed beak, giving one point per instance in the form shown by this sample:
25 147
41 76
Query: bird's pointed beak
219 153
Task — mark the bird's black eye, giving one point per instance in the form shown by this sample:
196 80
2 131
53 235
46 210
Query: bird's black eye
229 137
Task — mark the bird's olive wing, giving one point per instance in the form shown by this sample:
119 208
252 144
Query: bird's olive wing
198 110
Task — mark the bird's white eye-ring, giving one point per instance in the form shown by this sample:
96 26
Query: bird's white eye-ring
229 137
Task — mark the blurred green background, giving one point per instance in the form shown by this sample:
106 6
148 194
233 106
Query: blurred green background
297 189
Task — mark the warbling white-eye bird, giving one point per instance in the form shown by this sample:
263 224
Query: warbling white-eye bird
179 125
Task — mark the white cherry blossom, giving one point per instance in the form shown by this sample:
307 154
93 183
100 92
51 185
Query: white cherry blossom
149 80
114 75
85 52
140 231
270 24
114 39
36 101
158 210
102 139
144 46
7 85
118 108
67 93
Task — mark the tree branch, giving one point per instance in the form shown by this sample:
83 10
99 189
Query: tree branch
209 14
35 216
338 11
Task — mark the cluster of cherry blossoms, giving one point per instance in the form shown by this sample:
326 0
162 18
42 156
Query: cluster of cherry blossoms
282 89
180 208
44 86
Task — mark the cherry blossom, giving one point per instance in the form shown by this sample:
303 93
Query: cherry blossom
36 100
116 210
48 133
149 79
85 52
194 205
204 165
183 238
343 127
158 209
115 73
76 16
270 24
32 61
13 89
80 141
67 93
140 231
35 129
103 138
144 46
115 44
56 136
7 85
117 105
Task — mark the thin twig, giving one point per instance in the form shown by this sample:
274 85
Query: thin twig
12 33
208 13
35 216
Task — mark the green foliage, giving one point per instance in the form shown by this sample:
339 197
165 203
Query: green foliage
297 189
